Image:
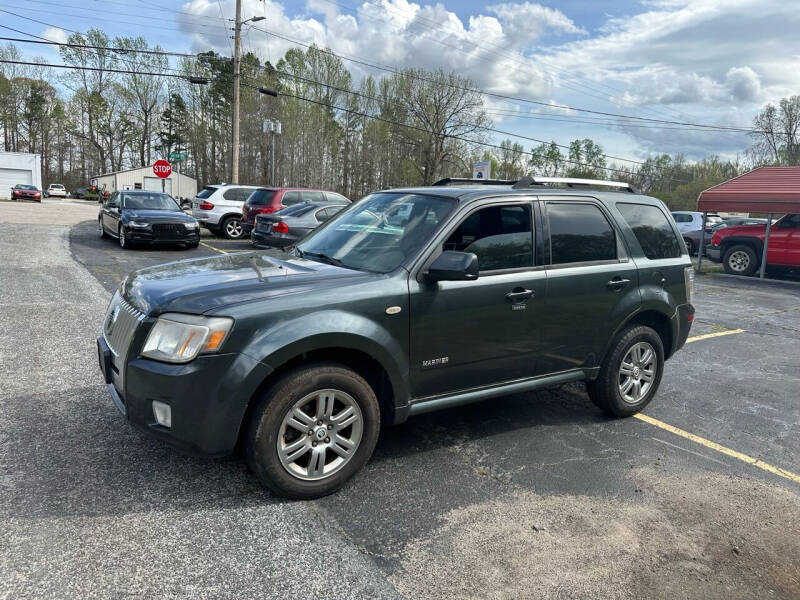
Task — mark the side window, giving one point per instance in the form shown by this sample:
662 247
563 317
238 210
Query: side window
681 218
334 197
579 233
789 222
500 236
652 230
290 198
309 196
237 194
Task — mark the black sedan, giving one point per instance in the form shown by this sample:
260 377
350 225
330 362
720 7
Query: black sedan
141 216
290 225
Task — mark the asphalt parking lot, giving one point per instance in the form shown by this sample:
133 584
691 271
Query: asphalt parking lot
536 495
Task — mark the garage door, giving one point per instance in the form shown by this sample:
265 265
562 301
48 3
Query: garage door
154 184
11 177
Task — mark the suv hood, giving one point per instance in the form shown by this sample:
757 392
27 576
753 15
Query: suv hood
164 216
202 284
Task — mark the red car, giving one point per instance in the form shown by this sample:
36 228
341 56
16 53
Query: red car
740 248
23 191
269 200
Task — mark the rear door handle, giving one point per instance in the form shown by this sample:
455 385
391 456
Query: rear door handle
617 283
519 294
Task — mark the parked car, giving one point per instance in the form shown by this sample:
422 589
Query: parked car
268 200
55 190
218 208
80 192
688 220
23 191
290 225
692 238
740 248
410 301
145 217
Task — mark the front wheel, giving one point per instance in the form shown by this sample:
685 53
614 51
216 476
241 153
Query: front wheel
740 260
124 242
630 374
101 231
312 431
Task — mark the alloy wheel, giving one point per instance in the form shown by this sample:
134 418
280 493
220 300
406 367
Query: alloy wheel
637 372
100 227
739 261
320 434
122 241
233 228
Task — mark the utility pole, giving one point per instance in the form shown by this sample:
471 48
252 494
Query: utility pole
237 68
237 65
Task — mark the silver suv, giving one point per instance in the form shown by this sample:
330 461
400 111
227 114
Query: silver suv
218 208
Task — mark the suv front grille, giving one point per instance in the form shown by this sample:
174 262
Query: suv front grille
120 324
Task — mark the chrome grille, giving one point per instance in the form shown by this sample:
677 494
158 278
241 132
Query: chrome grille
169 229
120 324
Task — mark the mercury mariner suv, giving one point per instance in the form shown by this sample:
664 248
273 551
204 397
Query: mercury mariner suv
409 301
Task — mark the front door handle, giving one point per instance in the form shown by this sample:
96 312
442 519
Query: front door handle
519 295
617 283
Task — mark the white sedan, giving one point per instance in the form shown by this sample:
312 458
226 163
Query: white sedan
55 190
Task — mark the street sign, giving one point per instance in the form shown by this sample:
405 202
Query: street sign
482 170
177 156
162 168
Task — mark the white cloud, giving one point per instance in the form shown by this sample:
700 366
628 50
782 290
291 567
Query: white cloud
743 84
54 34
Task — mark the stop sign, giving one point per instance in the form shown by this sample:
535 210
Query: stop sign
162 168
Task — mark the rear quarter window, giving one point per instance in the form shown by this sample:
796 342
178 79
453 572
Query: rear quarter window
652 230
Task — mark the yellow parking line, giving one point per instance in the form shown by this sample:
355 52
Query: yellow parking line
720 448
225 251
705 336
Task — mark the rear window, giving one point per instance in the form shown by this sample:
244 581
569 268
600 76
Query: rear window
682 218
206 191
295 210
261 198
652 230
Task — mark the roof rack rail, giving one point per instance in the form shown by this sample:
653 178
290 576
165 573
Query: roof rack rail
528 181
451 180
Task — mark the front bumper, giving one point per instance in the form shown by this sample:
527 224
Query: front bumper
714 253
148 237
208 398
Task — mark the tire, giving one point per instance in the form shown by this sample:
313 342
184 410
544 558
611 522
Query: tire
124 242
192 246
294 476
690 246
101 230
231 228
632 345
740 260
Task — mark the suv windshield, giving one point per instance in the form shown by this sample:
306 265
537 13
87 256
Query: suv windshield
154 201
261 198
380 232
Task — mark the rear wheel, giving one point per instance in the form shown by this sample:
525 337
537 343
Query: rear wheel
740 260
630 374
232 228
312 431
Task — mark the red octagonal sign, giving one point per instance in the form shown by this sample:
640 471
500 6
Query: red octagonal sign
162 168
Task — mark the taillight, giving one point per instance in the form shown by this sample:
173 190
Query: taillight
715 238
280 227
206 205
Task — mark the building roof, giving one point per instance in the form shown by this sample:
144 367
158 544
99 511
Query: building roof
764 190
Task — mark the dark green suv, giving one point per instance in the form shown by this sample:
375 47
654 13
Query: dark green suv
409 301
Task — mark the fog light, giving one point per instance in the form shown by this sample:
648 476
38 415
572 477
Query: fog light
162 413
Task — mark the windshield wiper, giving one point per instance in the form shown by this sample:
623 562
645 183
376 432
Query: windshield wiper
323 257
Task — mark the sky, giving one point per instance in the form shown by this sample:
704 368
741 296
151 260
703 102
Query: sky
704 61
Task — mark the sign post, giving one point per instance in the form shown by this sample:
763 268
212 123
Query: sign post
162 169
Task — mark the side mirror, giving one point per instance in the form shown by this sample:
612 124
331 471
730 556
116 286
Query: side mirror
453 266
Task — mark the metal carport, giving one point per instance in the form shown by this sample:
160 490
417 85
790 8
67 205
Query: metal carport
770 190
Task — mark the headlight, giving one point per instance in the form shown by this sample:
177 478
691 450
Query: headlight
139 224
192 225
180 338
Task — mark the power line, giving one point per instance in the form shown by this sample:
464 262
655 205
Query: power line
91 47
105 69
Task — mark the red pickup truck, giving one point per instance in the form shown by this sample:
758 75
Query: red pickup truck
740 248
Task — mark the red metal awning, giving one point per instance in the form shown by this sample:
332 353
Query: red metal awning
773 190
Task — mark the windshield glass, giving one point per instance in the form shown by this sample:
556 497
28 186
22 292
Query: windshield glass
154 201
206 192
22 186
381 231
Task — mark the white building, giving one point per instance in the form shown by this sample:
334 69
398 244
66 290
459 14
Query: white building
19 167
176 185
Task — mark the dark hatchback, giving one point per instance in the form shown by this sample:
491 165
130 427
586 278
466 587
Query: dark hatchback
290 225
145 217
